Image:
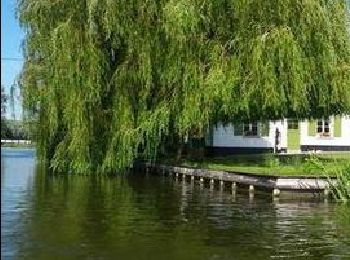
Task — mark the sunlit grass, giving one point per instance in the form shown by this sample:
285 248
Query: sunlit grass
271 165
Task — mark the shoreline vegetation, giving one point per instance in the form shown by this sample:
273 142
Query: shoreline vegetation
330 166
18 146
320 165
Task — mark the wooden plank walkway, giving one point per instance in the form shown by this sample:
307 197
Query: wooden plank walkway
273 183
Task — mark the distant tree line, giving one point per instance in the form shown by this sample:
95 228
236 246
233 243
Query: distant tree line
5 131
10 127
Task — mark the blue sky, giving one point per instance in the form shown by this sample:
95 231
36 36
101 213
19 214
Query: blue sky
11 40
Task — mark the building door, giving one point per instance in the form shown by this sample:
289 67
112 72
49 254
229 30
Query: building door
293 138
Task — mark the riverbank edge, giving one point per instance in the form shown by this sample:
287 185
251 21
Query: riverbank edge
18 147
276 184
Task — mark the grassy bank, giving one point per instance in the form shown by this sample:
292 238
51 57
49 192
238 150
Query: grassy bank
272 165
341 191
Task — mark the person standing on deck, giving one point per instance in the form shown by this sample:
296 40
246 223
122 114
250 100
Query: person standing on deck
277 140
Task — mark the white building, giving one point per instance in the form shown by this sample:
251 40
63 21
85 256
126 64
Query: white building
328 134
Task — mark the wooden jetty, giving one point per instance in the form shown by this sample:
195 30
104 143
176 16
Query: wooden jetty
274 184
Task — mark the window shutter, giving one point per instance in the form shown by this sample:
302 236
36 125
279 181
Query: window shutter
265 128
312 127
238 129
337 126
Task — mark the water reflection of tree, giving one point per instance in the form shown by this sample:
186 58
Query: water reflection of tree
305 228
308 229
211 217
135 217
342 214
2 173
73 214
161 197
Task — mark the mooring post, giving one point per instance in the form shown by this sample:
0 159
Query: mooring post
201 182
233 185
221 184
233 197
183 183
211 184
276 200
184 177
326 191
276 192
251 188
233 188
192 180
251 196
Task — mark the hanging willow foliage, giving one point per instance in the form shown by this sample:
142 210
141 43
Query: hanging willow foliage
112 80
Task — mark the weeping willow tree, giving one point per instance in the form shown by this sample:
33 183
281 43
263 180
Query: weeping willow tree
115 80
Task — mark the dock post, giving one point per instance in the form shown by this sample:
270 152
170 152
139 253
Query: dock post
233 185
233 189
251 193
184 177
211 184
276 192
192 180
233 197
176 177
276 200
221 184
326 191
201 181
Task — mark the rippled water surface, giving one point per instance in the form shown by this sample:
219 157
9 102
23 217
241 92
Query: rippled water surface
154 217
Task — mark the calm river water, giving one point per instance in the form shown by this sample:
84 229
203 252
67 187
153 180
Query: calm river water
138 217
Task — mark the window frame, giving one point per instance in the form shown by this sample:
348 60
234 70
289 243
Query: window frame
292 124
251 132
321 126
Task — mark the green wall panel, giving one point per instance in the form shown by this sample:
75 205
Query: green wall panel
293 139
337 126
311 127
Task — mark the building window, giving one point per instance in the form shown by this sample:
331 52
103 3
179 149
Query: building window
322 127
293 124
250 129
